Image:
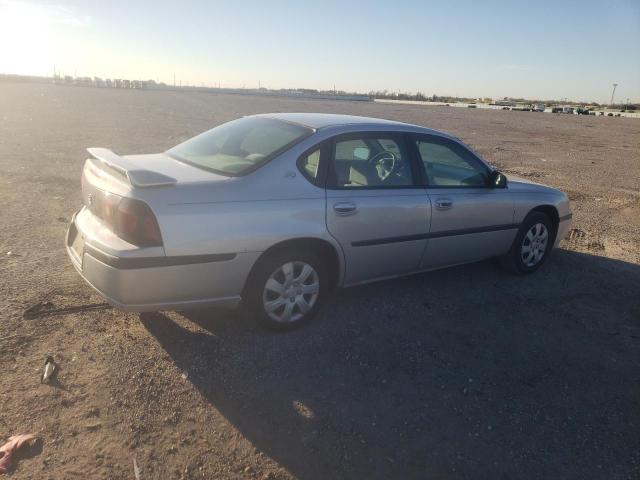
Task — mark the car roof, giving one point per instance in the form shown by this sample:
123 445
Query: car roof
322 120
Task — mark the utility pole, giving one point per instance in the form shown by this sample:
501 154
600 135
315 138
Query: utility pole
174 79
613 93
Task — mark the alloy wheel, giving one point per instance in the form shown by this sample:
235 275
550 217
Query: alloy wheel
291 292
534 245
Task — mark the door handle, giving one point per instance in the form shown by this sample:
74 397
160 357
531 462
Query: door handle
444 203
345 208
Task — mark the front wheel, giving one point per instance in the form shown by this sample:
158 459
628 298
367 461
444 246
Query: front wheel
531 245
286 290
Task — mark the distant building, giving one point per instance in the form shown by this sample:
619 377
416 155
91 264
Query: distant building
505 102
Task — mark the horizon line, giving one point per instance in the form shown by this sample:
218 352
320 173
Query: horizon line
371 93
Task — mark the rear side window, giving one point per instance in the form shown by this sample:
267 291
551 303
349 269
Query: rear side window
240 146
310 164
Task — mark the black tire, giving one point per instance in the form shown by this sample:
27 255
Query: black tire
513 260
262 272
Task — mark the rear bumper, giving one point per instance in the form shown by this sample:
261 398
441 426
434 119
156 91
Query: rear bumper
160 283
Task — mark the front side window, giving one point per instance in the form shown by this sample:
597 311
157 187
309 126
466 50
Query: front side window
449 165
239 146
371 162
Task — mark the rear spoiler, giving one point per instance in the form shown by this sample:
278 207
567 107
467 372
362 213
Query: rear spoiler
137 177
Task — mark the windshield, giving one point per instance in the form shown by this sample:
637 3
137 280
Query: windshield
240 146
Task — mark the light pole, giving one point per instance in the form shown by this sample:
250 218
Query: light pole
613 93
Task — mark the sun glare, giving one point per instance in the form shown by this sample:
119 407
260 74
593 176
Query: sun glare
25 39
34 37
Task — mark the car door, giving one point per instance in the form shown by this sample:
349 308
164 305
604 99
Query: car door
470 220
376 208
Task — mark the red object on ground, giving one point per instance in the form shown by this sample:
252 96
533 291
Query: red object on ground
7 450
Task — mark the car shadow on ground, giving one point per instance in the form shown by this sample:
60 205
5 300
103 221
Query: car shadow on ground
468 372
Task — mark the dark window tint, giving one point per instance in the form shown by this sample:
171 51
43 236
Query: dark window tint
450 165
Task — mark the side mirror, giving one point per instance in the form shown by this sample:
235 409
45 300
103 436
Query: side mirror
497 180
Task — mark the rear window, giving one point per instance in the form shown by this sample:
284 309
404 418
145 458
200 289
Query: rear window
240 146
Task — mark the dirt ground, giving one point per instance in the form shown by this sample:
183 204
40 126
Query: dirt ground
462 373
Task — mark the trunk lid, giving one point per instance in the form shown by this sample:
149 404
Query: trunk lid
146 171
125 193
138 175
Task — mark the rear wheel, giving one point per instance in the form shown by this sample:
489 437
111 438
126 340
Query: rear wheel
287 289
531 245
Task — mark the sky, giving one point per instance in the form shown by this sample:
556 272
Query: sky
544 49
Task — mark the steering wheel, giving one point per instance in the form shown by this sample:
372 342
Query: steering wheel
385 163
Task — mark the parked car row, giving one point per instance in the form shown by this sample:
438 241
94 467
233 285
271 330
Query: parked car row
103 83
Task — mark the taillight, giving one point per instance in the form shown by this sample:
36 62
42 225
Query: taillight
108 207
136 223
130 219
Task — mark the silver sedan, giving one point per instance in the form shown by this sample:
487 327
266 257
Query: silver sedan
277 210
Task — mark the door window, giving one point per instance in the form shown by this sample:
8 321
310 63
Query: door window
352 150
450 165
371 162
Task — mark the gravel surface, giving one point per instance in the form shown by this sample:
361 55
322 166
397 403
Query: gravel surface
462 373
